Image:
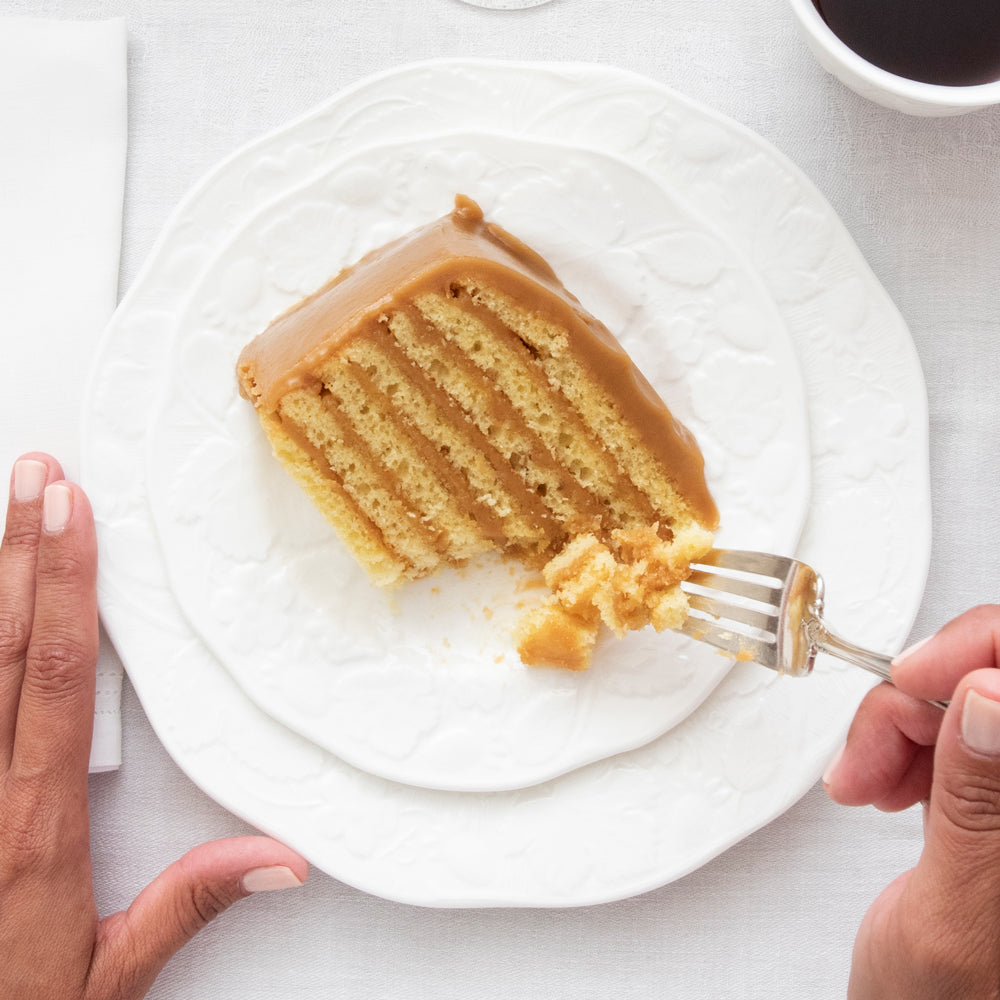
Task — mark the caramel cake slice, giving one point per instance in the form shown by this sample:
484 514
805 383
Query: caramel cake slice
446 396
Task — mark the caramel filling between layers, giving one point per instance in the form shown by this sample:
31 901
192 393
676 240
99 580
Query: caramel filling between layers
519 517
462 251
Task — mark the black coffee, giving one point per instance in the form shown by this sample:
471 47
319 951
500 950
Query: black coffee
953 42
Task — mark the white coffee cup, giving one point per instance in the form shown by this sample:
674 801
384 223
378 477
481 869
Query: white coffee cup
880 86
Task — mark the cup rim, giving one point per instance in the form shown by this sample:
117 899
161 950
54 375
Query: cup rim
955 95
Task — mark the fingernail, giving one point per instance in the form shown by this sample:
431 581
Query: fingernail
910 650
981 723
266 879
57 506
29 479
832 766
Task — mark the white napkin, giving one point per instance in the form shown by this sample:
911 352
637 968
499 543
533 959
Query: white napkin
62 176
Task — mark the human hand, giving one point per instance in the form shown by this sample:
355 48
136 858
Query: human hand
934 933
52 942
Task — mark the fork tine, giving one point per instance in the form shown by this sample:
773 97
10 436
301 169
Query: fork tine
762 593
736 601
747 562
742 647
760 620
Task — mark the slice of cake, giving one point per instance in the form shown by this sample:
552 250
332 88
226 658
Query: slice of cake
446 396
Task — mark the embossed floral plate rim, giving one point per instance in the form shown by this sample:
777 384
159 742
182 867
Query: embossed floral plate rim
642 819
420 686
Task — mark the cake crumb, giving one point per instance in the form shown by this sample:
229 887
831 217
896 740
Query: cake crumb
552 636
625 583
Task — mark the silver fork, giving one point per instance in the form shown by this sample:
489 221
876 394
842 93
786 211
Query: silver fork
768 609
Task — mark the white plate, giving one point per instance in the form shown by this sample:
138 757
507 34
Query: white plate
424 685
638 820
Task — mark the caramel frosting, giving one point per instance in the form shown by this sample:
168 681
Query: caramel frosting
461 248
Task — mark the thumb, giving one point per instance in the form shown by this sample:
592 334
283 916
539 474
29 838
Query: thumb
135 944
962 837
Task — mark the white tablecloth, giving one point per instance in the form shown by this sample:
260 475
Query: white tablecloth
775 916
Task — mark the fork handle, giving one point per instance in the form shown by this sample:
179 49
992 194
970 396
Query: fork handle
875 663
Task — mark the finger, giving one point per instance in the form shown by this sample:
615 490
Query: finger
933 668
18 553
913 785
886 761
55 714
962 832
134 945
